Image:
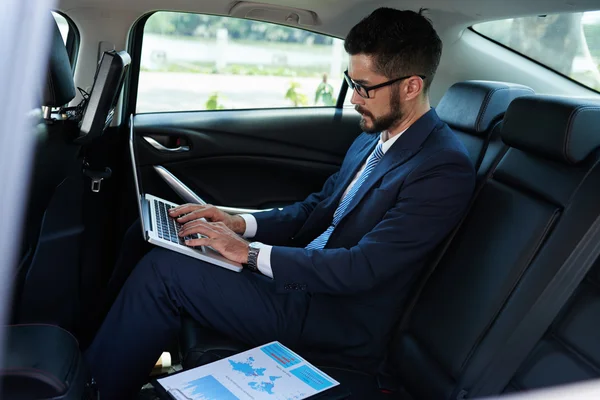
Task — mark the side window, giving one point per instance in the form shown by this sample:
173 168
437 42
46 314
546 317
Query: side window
203 62
566 43
63 25
70 36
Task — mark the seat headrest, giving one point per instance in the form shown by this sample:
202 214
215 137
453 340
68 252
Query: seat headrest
474 106
60 88
564 129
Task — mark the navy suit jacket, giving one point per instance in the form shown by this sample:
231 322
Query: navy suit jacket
409 203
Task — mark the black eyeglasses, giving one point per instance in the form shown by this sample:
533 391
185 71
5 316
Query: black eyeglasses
363 91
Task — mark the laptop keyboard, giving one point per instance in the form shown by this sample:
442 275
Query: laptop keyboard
167 228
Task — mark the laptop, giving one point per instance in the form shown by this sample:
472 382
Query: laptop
161 230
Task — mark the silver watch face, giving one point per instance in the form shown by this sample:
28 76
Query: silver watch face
254 246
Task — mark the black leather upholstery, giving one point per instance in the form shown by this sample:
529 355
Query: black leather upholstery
527 218
474 109
570 351
60 88
475 106
363 386
55 176
32 219
560 129
42 361
202 346
494 151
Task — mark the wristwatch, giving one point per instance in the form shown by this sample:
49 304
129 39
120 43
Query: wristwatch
253 250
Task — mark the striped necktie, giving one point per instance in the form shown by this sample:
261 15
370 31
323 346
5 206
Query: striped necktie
322 239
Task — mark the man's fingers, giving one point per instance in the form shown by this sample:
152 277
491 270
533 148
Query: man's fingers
231 247
197 214
198 242
187 209
200 227
203 212
183 209
196 222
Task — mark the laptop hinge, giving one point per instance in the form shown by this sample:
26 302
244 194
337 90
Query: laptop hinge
147 222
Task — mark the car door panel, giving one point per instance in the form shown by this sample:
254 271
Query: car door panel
251 158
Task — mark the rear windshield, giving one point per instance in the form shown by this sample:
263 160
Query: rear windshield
566 43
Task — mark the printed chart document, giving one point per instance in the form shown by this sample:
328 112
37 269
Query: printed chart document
269 372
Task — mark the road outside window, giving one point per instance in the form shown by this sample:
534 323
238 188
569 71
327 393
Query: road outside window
202 62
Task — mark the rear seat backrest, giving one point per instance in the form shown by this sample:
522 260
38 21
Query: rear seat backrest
473 110
52 152
526 219
570 350
55 172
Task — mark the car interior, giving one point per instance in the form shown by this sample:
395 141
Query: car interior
510 300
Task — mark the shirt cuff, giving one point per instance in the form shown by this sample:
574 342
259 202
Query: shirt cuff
264 261
251 225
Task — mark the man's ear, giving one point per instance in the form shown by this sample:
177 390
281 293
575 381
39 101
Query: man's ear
413 87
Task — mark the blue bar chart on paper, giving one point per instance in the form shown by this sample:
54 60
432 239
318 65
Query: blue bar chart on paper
208 388
283 356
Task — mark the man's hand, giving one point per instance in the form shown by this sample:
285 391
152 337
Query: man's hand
219 237
190 212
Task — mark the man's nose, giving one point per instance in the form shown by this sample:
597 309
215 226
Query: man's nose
356 98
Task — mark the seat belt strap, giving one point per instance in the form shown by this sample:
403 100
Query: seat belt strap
538 319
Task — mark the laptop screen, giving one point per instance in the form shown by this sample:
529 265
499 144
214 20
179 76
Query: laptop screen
137 179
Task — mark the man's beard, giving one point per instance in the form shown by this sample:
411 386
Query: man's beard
383 122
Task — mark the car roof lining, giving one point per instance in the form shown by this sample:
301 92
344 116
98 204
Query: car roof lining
336 17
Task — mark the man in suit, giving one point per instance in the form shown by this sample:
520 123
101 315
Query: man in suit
328 275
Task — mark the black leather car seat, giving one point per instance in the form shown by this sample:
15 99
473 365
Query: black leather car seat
54 156
526 220
474 111
43 362
570 350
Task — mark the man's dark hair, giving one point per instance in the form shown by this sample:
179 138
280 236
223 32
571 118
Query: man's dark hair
402 43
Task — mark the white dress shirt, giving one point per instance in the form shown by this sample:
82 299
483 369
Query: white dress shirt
264 256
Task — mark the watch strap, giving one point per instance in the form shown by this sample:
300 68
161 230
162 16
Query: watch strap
253 251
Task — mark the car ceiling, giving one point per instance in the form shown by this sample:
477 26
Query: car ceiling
336 17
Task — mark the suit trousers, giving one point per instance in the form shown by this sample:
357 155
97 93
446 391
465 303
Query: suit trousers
165 285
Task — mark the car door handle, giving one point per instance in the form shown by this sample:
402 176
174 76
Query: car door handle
158 146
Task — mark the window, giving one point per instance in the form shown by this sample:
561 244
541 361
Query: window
63 25
69 34
203 62
567 43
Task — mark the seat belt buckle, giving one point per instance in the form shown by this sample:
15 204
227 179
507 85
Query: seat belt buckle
97 177
96 184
